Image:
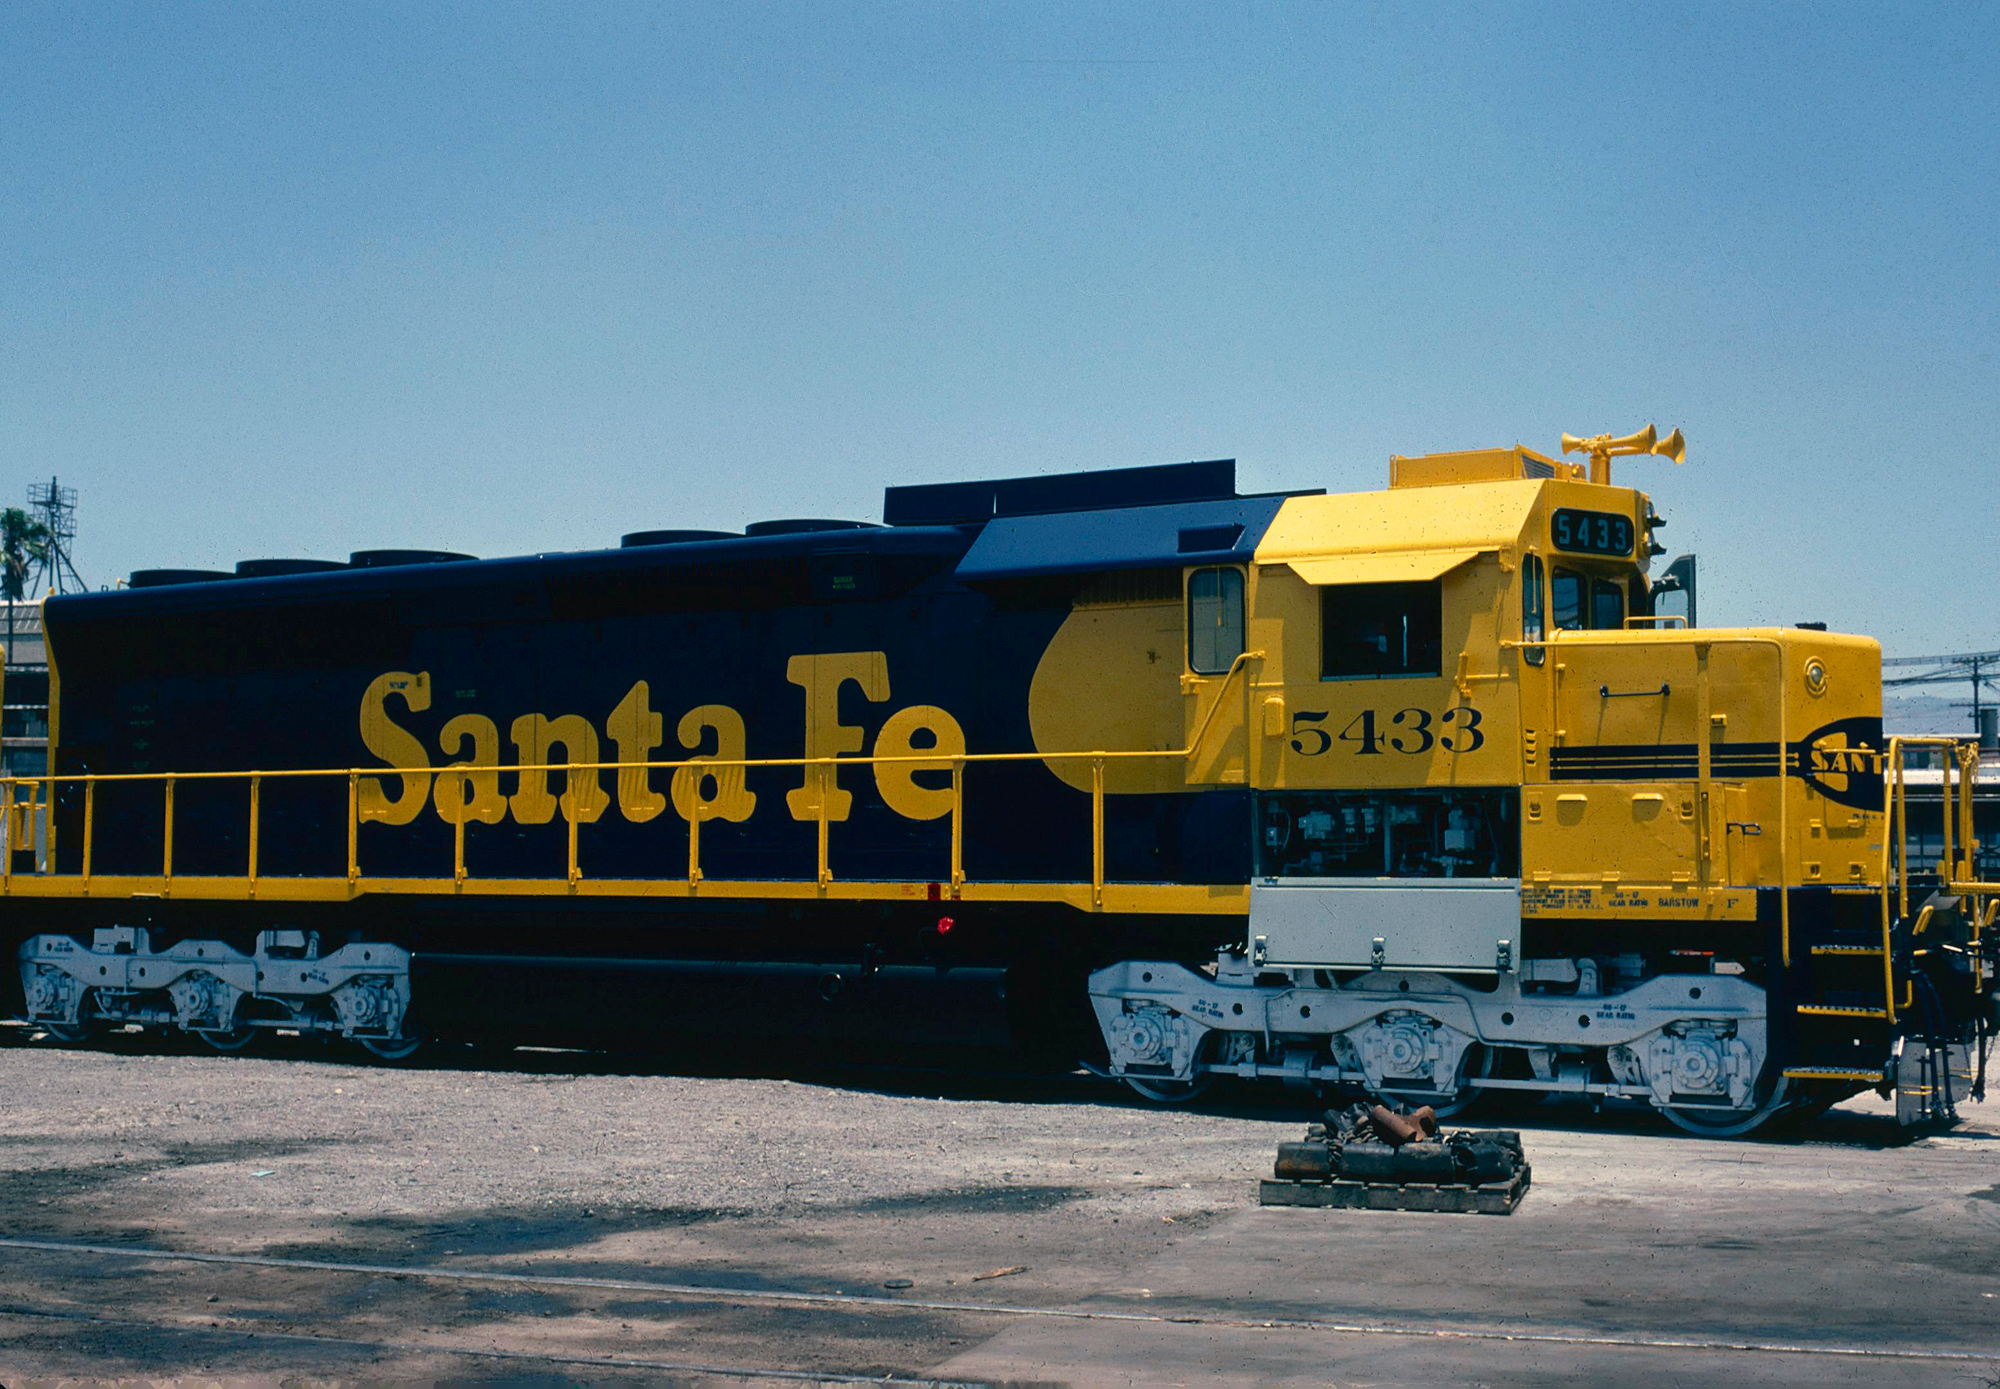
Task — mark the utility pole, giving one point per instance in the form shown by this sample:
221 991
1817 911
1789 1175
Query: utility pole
1979 667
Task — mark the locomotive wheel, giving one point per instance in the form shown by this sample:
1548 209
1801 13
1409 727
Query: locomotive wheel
1727 1123
72 1034
1170 1091
1161 1090
393 1048
236 1039
1479 1063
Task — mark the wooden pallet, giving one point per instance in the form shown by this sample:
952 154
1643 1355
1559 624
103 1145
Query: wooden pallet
1495 1198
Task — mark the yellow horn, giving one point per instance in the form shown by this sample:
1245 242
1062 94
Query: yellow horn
1602 448
1642 442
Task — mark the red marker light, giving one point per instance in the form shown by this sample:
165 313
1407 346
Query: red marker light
944 925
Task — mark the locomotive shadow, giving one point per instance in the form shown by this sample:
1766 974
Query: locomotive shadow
64 1200
985 1077
971 1074
501 1232
748 1252
123 1349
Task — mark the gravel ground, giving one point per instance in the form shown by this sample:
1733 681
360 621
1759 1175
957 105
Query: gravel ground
910 1187
838 1182
254 1141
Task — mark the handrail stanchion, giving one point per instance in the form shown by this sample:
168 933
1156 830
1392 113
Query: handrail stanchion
1704 771
1945 817
573 812
1893 767
256 817
89 825
167 835
694 840
1097 834
1784 808
7 832
957 824
1968 773
458 849
45 860
825 869
353 827
27 818
1902 841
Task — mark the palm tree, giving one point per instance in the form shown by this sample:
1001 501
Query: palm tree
24 545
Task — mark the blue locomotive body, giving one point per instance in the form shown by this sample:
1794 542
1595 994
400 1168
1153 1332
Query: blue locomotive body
811 640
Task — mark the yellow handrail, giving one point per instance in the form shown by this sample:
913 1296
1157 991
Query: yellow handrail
1097 832
353 826
89 820
1957 858
1243 658
256 809
694 846
166 835
957 823
7 827
822 769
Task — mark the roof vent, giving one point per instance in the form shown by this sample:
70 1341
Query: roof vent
638 538
1196 539
804 525
387 559
278 568
160 578
963 503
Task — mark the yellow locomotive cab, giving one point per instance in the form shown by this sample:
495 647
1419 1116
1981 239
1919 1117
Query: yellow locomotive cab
1517 831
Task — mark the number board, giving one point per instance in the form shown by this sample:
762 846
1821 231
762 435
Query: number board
1591 532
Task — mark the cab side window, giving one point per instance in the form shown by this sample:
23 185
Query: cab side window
1381 631
1533 625
1607 605
1215 620
1566 595
1584 604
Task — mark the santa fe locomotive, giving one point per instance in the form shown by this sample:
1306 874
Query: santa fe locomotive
1405 791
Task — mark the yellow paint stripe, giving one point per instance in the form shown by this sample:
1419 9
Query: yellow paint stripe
1223 899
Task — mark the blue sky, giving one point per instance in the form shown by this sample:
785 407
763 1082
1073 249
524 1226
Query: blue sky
298 280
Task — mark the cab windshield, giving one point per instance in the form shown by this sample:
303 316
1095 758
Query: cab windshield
1580 603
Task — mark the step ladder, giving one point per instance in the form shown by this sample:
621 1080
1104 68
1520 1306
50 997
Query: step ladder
1858 1009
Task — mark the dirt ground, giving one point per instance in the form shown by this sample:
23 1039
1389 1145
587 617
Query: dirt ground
548 1217
608 1166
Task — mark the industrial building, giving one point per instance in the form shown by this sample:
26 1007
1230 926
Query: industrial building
24 716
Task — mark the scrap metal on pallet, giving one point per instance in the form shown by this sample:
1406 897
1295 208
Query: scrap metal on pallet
1369 1157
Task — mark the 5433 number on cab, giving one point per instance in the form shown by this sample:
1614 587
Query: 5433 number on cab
1406 731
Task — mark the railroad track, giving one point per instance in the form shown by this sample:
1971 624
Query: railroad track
666 1291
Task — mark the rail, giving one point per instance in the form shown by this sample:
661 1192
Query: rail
36 812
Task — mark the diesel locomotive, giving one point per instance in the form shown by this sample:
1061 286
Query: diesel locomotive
1411 792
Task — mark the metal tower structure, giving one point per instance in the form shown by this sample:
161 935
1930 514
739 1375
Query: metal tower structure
55 507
